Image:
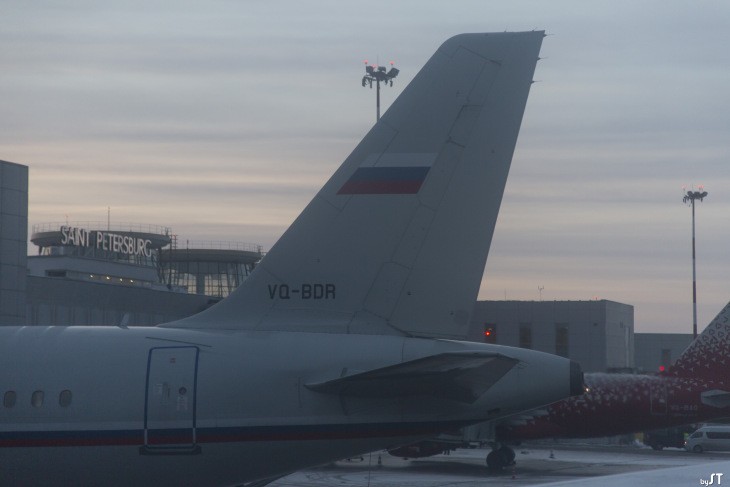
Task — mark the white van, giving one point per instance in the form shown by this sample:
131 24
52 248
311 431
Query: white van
709 438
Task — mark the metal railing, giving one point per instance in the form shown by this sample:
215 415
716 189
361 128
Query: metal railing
102 225
219 245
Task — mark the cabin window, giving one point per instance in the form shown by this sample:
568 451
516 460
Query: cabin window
36 399
718 435
64 399
9 399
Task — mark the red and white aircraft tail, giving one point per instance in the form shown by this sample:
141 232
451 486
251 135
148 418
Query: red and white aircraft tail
708 356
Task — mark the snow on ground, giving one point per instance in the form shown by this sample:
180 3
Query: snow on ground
704 474
568 466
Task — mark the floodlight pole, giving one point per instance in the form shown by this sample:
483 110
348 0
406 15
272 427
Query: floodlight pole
377 101
378 74
690 197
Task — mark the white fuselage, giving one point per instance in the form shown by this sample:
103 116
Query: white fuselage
151 406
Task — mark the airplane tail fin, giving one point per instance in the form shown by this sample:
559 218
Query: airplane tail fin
708 356
397 240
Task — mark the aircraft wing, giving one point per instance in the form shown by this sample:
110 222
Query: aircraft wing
459 376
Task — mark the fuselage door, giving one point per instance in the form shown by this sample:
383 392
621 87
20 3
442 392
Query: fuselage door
169 420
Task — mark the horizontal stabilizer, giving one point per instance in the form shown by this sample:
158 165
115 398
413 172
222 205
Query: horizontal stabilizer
459 376
716 398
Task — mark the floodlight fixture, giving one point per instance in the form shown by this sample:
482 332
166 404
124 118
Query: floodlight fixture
378 74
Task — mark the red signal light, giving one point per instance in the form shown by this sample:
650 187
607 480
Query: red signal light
661 368
490 334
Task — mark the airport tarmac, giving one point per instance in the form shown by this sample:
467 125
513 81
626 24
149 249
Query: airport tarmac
536 465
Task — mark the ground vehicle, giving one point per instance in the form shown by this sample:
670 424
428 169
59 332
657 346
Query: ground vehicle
668 437
709 438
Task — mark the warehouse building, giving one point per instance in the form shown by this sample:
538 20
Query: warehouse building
598 334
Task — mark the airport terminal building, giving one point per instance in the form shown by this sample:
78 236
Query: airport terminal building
132 274
106 273
127 274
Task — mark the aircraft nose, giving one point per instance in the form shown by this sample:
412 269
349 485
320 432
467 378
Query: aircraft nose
577 386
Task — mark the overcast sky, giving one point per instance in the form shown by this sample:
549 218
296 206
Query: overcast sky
221 120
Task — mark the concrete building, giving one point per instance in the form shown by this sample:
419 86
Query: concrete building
598 334
13 238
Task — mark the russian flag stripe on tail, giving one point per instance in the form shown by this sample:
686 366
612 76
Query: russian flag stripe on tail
385 180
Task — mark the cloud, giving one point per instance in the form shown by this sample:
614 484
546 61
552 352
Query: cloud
221 120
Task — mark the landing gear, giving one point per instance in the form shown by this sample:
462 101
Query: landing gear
501 457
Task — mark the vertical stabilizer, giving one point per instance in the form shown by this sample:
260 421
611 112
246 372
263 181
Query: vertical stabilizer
708 356
397 240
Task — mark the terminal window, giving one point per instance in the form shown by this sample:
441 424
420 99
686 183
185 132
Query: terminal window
525 335
561 339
